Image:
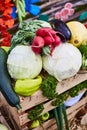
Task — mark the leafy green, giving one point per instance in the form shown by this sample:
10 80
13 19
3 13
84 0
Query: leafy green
72 92
58 99
48 87
46 50
83 50
35 112
31 25
25 33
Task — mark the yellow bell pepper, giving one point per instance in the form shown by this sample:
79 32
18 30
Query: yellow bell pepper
27 87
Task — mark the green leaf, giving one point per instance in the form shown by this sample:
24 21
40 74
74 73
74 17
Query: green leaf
46 50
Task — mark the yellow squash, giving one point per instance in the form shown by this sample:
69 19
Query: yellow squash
78 31
6 48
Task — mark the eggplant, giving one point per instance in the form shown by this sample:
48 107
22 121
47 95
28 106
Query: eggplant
61 28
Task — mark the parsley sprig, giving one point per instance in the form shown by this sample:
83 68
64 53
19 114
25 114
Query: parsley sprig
49 90
35 112
48 87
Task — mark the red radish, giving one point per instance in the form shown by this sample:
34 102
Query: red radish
85 25
57 41
52 32
48 40
51 49
40 32
36 50
38 43
45 37
43 31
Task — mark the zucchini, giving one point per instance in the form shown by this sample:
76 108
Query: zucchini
5 82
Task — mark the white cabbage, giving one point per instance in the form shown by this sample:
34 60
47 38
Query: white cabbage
64 63
23 63
3 127
44 23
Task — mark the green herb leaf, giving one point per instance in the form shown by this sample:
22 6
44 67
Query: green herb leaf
25 33
83 49
48 87
35 112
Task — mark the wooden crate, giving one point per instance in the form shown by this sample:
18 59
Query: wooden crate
71 112
19 119
3 121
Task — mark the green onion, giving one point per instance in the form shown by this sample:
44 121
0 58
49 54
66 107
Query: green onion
57 118
65 116
60 115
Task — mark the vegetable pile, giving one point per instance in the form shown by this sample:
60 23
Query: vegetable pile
39 56
40 47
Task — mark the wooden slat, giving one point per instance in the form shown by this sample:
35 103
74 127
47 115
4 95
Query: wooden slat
47 107
77 105
3 121
10 112
48 124
63 86
71 112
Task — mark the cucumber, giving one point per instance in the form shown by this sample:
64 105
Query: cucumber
5 82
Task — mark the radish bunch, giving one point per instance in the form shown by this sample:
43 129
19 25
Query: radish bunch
45 37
